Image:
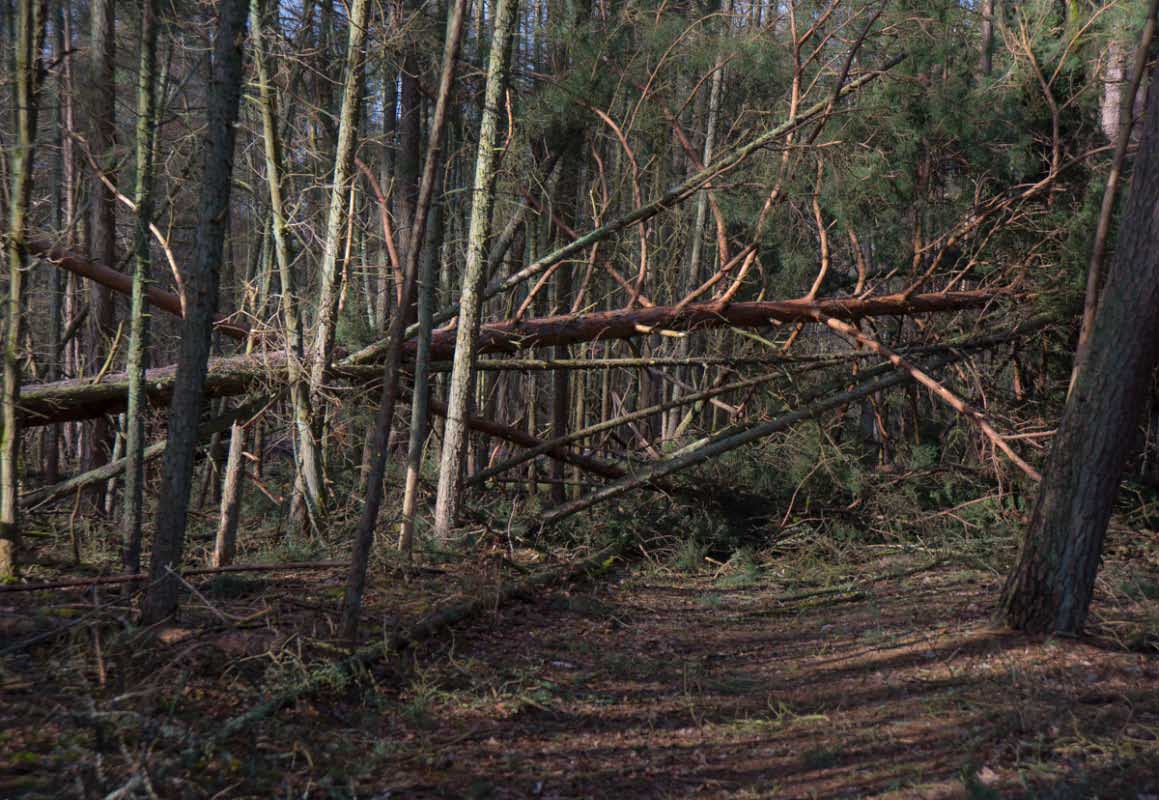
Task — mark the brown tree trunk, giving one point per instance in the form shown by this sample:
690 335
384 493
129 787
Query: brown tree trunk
102 141
1050 587
185 409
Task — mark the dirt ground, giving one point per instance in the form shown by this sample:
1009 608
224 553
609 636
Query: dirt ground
874 674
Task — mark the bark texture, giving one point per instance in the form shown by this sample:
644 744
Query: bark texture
1051 585
185 409
29 43
470 300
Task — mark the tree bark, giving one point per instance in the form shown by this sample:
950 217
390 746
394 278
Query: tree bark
420 397
102 141
308 489
185 409
364 535
29 43
986 30
326 321
1051 585
462 385
139 313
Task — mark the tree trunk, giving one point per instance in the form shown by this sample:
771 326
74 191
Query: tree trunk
102 141
986 45
470 300
185 409
139 313
422 369
364 535
1051 585
225 545
327 318
308 489
29 42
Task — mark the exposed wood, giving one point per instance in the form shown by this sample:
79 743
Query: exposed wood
119 282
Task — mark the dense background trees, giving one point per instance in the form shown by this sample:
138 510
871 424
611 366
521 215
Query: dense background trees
632 185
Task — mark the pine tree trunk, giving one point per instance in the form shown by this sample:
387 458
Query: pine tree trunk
185 409
1050 587
986 44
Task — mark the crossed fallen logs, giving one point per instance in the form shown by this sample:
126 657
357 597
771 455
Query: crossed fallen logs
62 401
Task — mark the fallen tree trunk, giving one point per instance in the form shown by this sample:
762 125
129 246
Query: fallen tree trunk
81 399
731 440
556 451
564 329
517 437
119 282
114 468
333 676
112 580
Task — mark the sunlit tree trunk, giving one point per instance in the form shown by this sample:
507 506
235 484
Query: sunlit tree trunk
30 28
470 296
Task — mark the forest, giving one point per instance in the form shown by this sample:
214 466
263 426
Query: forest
579 399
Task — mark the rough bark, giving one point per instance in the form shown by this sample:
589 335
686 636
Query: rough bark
986 44
1122 139
185 409
1051 585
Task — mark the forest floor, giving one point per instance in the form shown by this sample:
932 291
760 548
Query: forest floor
871 671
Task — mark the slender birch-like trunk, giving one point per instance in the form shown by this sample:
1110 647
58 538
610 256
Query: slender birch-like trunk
364 536
470 296
308 488
329 295
139 313
30 30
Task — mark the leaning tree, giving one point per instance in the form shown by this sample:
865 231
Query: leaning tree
1051 586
